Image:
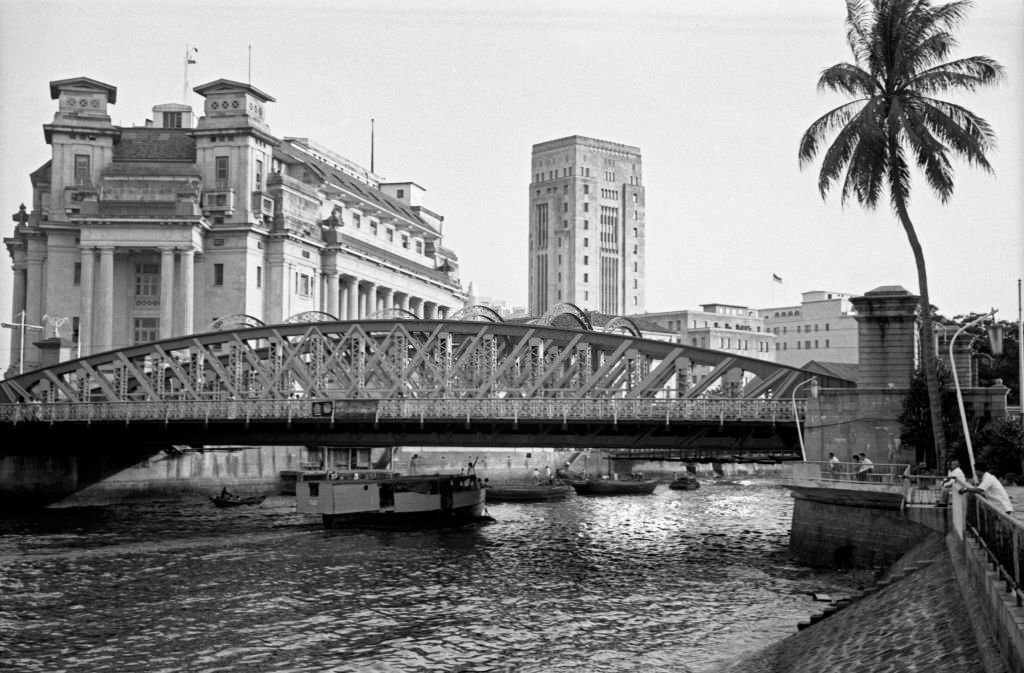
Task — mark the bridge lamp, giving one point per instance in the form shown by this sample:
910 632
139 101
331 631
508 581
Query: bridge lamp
995 339
796 413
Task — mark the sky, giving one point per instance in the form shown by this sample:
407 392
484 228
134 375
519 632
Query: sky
715 94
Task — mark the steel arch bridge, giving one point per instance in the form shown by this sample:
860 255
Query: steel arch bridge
393 381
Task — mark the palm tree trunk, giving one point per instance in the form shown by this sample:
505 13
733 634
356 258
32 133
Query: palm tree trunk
928 360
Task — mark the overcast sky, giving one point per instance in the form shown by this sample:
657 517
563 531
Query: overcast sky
715 94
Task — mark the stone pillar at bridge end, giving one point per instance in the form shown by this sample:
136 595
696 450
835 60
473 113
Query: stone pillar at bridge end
886 336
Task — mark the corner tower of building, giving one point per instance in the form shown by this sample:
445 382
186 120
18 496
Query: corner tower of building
587 230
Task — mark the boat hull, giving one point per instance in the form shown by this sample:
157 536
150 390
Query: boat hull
458 516
615 486
684 485
528 492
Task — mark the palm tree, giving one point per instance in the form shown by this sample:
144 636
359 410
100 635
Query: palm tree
899 50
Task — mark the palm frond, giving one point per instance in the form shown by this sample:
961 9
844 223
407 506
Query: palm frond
932 156
859 18
823 127
967 134
898 172
849 79
839 152
965 74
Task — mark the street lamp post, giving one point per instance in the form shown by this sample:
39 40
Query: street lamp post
22 326
796 413
996 342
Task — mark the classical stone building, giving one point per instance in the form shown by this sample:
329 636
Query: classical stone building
183 225
586 226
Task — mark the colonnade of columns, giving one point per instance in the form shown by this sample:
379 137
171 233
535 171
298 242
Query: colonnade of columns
350 298
96 324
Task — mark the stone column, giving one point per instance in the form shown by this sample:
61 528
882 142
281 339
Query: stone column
886 337
17 306
442 312
429 310
188 291
85 320
370 307
332 294
105 314
403 301
166 293
387 298
352 298
416 306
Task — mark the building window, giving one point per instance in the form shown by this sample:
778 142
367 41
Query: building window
586 225
826 327
827 344
78 273
586 189
586 242
305 254
75 325
401 193
147 284
357 221
807 344
586 260
405 241
586 295
586 277
82 170
304 284
565 207
373 227
218 242
259 175
220 172
218 274
419 247
586 207
145 330
172 120
259 276
390 235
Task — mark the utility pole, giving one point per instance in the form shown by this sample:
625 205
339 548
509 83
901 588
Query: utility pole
22 326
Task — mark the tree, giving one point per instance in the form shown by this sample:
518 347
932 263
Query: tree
899 49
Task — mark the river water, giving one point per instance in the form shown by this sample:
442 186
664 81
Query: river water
674 581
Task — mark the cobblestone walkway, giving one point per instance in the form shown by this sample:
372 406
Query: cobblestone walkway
917 624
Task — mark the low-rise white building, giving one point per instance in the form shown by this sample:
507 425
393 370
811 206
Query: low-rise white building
822 327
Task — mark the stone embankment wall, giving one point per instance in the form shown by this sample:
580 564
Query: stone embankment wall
845 536
922 622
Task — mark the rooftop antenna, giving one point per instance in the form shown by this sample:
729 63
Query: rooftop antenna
190 59
250 64
371 144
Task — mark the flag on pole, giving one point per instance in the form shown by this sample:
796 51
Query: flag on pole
191 55
777 279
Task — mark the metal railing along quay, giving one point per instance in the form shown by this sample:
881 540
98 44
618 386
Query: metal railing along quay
1001 538
561 409
917 490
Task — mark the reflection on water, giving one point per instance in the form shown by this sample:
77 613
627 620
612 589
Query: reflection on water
674 581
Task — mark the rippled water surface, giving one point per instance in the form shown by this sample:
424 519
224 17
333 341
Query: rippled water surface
674 581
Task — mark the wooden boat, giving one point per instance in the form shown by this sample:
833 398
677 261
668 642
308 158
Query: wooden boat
685 482
230 500
390 500
634 485
524 491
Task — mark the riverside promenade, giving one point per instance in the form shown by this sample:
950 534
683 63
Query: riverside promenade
946 605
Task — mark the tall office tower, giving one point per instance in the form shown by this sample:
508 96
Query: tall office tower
587 226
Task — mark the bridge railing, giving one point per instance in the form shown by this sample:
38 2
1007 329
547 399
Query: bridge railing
565 409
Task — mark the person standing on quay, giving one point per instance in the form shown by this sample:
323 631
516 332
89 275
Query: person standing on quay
991 489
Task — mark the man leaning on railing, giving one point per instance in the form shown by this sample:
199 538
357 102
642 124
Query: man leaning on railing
990 488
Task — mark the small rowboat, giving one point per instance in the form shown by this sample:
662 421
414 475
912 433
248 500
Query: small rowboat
685 483
235 501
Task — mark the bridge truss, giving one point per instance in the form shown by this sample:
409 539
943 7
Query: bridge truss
402 358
